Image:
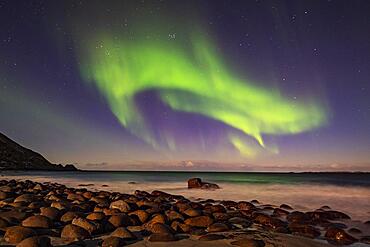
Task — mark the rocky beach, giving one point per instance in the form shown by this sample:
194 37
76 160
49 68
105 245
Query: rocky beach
52 214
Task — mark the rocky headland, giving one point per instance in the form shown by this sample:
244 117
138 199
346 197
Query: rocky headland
16 157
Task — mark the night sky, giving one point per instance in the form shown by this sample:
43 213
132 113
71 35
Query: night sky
230 85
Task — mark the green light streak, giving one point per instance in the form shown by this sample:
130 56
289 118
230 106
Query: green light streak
190 79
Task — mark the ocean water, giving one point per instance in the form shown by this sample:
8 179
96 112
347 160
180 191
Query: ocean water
346 192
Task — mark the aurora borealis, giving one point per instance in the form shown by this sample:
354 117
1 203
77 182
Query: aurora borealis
195 81
120 82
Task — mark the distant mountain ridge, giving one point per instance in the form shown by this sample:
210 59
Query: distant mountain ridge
16 157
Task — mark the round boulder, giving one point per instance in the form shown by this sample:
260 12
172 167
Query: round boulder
74 233
35 242
37 221
16 234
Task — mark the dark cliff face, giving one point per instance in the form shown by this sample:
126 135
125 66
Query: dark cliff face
15 157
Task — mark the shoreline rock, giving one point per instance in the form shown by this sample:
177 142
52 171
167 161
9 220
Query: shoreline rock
197 183
67 215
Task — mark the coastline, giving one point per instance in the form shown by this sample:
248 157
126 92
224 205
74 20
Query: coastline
267 230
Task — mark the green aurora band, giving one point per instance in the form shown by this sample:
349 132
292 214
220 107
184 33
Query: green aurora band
193 79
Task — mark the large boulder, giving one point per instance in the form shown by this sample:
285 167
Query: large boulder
35 241
90 226
16 234
200 221
72 233
113 242
197 183
121 205
338 236
122 232
37 221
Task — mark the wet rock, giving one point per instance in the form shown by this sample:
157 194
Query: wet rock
72 233
160 228
339 236
36 205
286 207
141 214
200 221
180 227
192 212
197 183
12 215
37 221
173 215
50 212
167 237
121 205
6 188
211 186
90 226
120 220
211 237
280 212
113 242
25 198
16 234
194 183
69 216
298 217
322 216
158 218
123 232
268 221
245 205
35 241
221 216
249 243
304 230
60 205
4 195
96 216
218 227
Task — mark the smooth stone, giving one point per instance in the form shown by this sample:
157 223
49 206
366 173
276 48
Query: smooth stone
16 234
339 236
69 216
123 232
74 233
200 221
51 212
120 220
160 228
37 221
90 226
113 242
35 241
121 205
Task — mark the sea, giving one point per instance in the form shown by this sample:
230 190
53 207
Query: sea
345 192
